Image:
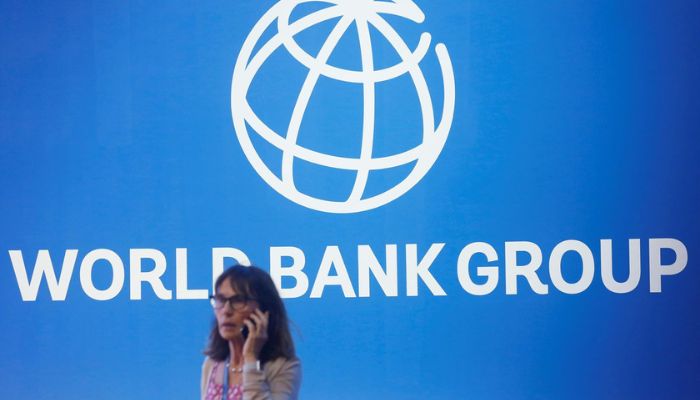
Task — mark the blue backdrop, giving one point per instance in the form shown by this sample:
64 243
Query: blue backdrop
572 120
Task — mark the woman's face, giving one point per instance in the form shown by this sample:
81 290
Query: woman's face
229 319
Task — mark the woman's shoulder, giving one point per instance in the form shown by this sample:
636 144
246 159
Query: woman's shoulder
208 365
208 361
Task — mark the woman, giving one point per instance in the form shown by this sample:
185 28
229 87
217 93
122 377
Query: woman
250 354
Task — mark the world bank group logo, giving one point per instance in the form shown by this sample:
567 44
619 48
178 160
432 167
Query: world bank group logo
364 22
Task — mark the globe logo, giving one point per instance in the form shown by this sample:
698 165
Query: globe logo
363 14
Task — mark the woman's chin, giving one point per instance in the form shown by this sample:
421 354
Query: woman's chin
229 333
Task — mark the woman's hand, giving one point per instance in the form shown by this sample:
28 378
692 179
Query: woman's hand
257 335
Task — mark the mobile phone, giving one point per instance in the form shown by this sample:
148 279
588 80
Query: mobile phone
244 332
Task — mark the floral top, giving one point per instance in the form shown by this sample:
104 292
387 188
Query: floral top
215 390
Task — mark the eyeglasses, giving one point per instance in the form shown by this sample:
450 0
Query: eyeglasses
237 302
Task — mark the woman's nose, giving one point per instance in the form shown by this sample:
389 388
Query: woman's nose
227 308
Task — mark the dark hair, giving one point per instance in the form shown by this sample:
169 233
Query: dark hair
256 283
